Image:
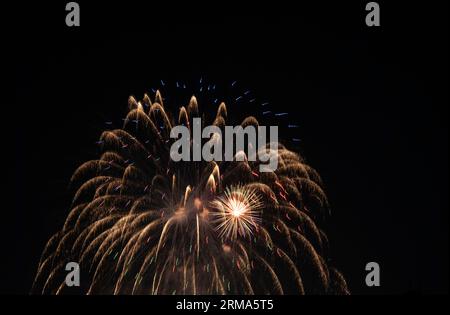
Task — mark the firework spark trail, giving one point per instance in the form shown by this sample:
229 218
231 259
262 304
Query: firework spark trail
143 224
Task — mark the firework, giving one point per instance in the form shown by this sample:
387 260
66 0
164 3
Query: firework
141 223
237 212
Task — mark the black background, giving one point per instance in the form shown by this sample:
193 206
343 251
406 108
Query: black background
371 104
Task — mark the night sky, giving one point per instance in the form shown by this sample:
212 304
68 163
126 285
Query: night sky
371 105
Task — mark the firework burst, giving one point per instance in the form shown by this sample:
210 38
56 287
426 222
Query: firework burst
238 212
141 223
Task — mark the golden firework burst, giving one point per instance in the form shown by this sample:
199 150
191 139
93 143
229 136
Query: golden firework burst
141 223
237 212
